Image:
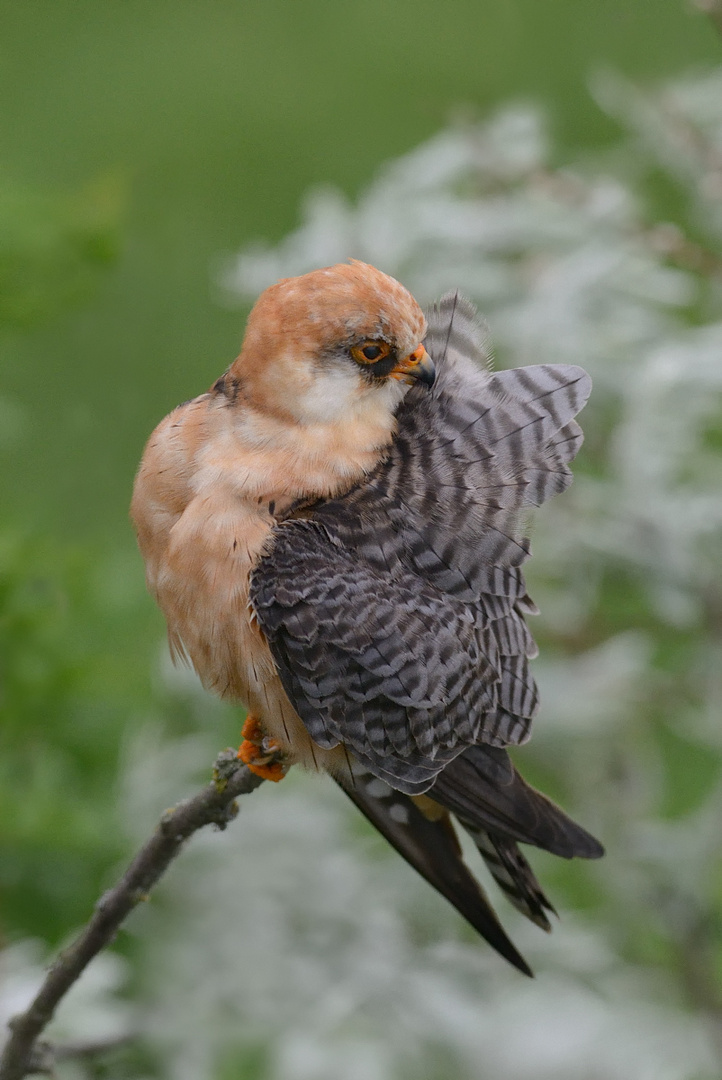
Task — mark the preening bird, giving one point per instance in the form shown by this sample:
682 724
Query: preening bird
335 534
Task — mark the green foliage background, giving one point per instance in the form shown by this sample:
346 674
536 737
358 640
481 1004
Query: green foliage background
139 144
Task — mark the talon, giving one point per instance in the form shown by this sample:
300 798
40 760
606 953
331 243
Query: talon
274 771
257 752
270 746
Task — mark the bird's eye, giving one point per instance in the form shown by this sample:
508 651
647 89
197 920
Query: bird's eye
370 352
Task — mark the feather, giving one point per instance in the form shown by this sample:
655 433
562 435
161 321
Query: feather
432 848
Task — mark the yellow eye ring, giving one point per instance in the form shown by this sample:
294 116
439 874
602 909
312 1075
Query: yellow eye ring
370 352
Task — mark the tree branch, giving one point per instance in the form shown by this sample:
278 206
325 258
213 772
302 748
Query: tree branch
214 805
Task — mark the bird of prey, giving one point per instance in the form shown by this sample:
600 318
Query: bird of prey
335 533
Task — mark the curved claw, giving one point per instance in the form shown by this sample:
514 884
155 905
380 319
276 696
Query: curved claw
259 753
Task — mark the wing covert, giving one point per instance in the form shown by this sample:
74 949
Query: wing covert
388 665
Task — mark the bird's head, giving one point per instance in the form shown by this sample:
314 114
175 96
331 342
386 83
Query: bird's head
332 343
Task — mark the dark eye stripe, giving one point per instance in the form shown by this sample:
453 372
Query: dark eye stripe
382 367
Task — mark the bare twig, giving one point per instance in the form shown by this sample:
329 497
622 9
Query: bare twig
214 805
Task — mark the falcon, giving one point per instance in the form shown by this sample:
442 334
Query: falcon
335 533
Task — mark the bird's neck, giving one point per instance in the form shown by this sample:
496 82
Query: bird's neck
259 454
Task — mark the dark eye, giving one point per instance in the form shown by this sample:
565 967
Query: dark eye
370 352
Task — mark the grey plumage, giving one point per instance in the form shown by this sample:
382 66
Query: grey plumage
432 848
498 809
395 613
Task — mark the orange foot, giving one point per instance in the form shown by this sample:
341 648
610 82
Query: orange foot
257 751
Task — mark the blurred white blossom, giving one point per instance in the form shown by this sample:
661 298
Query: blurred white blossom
289 932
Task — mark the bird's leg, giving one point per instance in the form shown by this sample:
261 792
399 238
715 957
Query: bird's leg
259 752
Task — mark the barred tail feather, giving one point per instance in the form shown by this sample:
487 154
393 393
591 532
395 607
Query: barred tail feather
513 875
482 788
432 848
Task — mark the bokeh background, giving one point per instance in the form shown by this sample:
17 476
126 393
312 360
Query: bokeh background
561 163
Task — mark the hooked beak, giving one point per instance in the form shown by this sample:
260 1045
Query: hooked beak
416 367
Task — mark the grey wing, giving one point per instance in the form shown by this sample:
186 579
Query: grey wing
470 460
385 664
396 614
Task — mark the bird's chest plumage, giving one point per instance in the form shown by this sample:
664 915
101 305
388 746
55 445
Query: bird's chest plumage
206 502
202 587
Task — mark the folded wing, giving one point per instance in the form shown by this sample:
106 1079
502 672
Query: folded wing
395 613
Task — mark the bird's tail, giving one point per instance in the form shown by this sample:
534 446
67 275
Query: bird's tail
498 809
513 875
432 848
